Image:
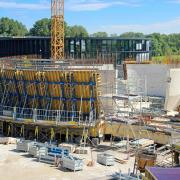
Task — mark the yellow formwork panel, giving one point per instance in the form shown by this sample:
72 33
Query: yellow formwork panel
48 85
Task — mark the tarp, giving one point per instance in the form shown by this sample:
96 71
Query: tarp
164 173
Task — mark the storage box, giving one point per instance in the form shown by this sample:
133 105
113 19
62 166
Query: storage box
24 145
72 163
105 159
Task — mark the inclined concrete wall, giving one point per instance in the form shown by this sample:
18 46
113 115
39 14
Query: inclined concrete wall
151 79
173 90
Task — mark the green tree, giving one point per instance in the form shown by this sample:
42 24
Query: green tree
77 31
113 35
162 44
100 34
10 27
156 44
132 35
67 30
41 28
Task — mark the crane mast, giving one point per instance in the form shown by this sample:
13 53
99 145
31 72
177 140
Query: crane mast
57 30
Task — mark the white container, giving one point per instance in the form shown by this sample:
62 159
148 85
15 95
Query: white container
38 148
72 163
42 151
33 151
105 159
47 159
70 147
24 145
82 150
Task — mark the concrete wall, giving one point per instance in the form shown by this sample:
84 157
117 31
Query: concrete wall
173 90
135 131
150 79
107 88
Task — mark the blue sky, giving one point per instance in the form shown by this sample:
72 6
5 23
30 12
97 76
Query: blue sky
112 16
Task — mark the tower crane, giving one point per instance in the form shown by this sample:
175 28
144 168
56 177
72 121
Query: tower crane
57 30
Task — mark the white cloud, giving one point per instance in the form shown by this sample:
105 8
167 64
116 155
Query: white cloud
94 5
167 27
175 1
72 5
28 6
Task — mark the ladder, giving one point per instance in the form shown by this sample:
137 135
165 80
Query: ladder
84 137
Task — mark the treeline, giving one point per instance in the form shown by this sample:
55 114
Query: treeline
162 44
10 27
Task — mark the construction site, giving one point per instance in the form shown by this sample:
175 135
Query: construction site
87 108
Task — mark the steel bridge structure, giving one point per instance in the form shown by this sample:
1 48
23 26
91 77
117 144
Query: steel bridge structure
107 50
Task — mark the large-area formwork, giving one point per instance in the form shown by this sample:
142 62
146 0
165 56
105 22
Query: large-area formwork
49 100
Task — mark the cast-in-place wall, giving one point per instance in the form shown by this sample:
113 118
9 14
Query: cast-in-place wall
148 79
173 90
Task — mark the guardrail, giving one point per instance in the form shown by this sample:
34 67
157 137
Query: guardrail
57 116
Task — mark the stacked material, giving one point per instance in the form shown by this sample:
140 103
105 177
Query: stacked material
24 145
57 151
105 159
38 148
121 144
72 163
142 143
143 159
47 159
175 140
42 151
8 140
82 150
70 147
53 153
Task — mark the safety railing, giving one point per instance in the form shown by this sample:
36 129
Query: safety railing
58 116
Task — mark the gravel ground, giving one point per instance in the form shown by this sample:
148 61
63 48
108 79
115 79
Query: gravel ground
19 166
